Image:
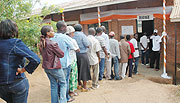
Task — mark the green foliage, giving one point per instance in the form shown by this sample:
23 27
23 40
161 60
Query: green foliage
29 26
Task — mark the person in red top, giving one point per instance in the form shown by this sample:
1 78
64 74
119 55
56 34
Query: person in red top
131 57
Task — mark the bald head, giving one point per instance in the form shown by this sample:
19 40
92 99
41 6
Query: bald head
91 31
61 26
104 28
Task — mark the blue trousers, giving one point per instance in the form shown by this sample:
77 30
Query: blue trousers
16 92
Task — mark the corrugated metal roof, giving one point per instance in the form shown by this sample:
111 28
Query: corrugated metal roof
84 4
175 15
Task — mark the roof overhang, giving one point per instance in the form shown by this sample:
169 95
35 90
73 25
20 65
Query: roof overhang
84 4
175 14
96 5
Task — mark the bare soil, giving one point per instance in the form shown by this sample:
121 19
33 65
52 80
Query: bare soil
146 87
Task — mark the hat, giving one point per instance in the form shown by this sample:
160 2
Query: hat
155 31
70 29
111 33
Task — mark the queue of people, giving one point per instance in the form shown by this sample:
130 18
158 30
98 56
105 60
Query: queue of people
68 57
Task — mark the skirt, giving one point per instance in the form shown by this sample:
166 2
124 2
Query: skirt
73 77
83 67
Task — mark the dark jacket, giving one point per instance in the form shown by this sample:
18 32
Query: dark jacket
51 54
12 55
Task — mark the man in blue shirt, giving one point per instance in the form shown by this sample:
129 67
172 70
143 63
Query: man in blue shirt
65 44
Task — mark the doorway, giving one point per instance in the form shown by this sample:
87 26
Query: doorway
148 27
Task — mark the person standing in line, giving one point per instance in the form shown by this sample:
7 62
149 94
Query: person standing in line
94 56
73 82
124 53
82 58
51 53
144 47
107 60
131 56
14 86
103 52
65 44
115 53
136 53
156 39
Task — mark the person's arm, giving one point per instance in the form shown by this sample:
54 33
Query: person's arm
69 43
105 51
57 51
85 41
98 54
129 50
22 50
142 46
76 46
118 51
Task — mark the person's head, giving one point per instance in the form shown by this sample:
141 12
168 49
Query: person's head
136 36
78 27
145 33
70 31
91 31
61 27
155 31
8 29
47 31
103 28
99 31
111 34
128 37
121 37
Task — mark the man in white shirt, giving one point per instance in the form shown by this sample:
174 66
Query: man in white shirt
103 52
144 47
115 53
94 56
156 40
136 53
107 60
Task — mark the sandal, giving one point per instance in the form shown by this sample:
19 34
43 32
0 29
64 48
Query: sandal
71 99
76 94
79 87
85 90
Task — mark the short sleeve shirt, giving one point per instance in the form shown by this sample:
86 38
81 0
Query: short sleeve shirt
156 42
72 53
93 48
144 41
82 41
132 50
102 44
134 42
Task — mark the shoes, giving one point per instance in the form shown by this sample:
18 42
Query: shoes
110 79
85 90
136 73
73 94
157 69
79 87
71 99
97 86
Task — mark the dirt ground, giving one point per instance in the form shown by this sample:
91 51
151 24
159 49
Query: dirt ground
139 89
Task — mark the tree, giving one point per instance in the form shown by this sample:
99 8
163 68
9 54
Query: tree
29 25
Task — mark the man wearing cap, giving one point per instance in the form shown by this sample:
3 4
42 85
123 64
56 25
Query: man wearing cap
156 41
115 53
